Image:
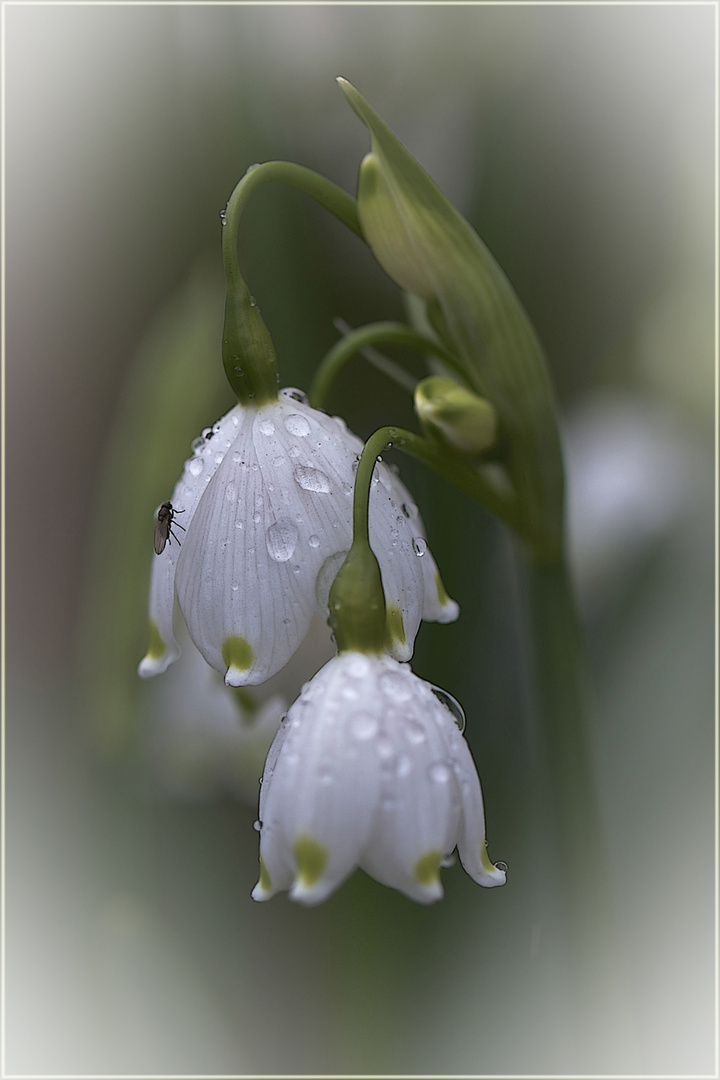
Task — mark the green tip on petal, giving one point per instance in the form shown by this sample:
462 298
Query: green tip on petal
156 646
427 868
311 859
264 883
238 655
443 598
395 627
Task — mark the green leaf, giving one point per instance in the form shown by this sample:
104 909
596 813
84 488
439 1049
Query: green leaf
428 248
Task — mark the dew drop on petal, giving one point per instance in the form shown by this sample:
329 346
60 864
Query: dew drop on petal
385 749
257 826
297 424
440 773
197 444
363 726
419 546
311 479
414 732
394 687
195 467
325 775
314 541
501 866
230 492
295 395
403 766
237 457
256 518
452 705
357 666
266 427
281 539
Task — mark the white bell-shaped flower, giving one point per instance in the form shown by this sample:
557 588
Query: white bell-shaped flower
369 769
265 503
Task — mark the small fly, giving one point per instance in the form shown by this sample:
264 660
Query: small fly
164 526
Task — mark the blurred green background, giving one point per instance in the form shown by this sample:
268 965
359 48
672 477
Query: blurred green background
580 143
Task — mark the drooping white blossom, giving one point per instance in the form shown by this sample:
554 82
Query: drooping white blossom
266 505
369 769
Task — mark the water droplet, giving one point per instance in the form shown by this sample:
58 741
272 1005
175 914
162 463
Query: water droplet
357 666
419 546
296 569
223 217
325 775
230 492
277 462
237 457
235 586
294 452
501 866
414 732
363 726
347 489
394 686
197 444
385 749
257 825
297 425
256 518
259 500
281 539
452 705
311 479
349 692
295 395
314 541
266 427
409 510
448 860
403 766
196 466
439 773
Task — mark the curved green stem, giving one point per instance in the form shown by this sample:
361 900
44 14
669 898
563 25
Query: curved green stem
466 478
380 333
248 353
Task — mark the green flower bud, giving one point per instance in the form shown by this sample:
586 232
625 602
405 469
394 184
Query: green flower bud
461 418
428 248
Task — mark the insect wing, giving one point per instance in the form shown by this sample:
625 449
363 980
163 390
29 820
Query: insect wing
162 529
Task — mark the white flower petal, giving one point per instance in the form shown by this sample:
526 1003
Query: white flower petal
369 769
321 778
472 845
418 820
266 503
209 451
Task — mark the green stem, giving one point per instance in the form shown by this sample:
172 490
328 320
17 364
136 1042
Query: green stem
381 333
248 353
466 478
